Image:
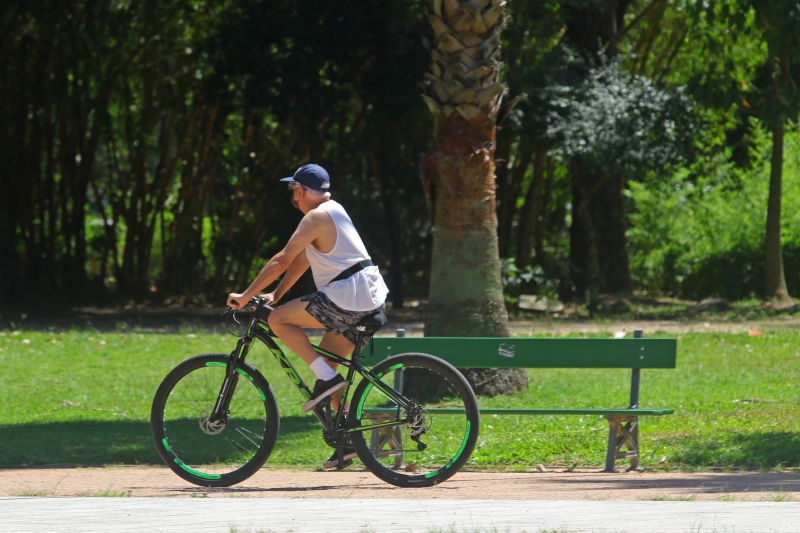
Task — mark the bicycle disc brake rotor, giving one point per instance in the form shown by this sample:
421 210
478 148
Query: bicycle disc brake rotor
418 420
210 427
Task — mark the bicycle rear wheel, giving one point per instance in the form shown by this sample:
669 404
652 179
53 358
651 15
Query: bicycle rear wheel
442 423
206 453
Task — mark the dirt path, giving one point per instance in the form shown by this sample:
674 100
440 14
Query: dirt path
358 483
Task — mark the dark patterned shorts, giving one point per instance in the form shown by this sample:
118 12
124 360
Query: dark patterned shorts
335 319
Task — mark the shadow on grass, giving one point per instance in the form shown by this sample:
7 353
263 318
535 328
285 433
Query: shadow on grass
92 442
752 451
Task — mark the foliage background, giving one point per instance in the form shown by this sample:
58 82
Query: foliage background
140 142
699 231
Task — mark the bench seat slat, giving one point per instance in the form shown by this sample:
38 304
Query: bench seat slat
623 412
499 411
515 352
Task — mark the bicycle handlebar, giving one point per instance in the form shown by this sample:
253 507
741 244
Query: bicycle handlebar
259 303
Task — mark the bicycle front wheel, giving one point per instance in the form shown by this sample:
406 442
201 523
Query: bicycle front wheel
214 453
439 427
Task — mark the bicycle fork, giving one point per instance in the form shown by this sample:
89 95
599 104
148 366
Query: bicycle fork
222 406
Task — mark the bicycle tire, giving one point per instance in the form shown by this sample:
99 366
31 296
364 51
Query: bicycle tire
450 438
202 453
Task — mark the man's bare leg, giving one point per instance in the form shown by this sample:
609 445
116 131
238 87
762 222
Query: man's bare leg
288 321
339 345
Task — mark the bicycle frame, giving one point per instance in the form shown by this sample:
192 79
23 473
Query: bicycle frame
258 330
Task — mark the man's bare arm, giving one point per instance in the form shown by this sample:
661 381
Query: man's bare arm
308 230
293 273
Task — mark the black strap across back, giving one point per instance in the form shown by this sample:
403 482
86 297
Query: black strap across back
358 267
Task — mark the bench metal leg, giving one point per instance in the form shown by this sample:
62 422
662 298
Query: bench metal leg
612 444
390 437
622 431
635 459
388 442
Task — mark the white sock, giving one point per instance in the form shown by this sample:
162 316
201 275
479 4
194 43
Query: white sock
322 369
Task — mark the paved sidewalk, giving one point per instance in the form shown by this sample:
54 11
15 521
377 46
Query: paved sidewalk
218 515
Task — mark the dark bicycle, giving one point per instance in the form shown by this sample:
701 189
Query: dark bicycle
215 419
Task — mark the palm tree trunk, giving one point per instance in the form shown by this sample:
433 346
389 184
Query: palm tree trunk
465 97
776 282
466 296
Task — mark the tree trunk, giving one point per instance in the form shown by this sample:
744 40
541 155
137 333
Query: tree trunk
502 155
11 280
464 95
466 296
599 211
594 29
594 26
529 216
776 282
545 208
508 193
395 237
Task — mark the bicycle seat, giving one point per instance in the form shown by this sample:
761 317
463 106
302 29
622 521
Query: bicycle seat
372 323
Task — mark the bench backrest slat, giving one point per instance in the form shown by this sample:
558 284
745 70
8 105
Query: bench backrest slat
495 352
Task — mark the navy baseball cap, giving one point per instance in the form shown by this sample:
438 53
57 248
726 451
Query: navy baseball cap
311 176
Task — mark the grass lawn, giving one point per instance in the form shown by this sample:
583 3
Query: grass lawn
81 397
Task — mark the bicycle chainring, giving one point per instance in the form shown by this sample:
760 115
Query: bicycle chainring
338 440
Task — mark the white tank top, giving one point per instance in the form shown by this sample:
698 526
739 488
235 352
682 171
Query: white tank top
364 290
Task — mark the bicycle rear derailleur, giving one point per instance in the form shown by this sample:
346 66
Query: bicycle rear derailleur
416 425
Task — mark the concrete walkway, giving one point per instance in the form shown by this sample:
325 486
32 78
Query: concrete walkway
218 515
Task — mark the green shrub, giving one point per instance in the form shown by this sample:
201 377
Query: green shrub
700 232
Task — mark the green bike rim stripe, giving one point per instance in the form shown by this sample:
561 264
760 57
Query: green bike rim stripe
195 472
248 376
360 406
245 374
188 468
455 457
242 372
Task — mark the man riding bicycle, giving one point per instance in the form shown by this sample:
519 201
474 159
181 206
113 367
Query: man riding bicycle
349 286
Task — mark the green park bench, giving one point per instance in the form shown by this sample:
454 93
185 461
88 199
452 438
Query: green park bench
633 353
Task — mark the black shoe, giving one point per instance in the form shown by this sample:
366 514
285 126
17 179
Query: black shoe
347 459
323 390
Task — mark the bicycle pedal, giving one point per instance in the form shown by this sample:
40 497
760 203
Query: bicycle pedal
344 464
